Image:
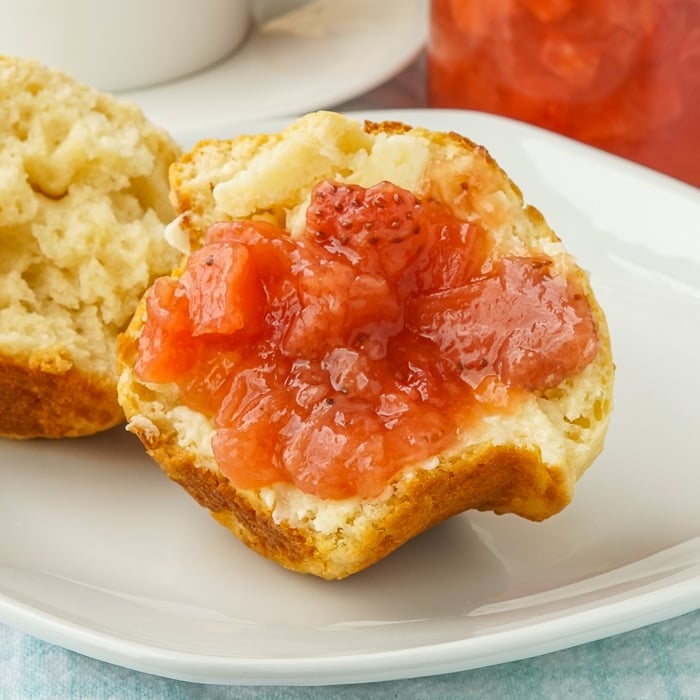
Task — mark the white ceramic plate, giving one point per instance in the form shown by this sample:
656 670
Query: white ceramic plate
322 53
100 553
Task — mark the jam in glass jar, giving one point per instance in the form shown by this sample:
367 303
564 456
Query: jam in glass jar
622 75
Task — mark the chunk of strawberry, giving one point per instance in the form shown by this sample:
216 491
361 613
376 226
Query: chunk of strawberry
224 290
165 351
519 324
380 225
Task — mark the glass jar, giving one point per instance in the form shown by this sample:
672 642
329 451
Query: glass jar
622 75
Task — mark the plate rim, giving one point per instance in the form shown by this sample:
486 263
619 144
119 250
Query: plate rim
635 612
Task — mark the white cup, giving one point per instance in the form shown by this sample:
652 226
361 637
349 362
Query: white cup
124 44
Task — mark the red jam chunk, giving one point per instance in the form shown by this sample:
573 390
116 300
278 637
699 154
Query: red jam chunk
333 360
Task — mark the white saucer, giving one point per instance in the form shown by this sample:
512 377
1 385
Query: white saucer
316 56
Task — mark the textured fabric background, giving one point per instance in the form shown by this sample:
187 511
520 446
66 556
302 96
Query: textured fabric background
659 662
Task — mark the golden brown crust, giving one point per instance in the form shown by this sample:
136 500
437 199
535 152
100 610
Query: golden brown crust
504 469
39 400
491 480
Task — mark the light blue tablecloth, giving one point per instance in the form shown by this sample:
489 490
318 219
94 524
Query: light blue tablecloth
659 662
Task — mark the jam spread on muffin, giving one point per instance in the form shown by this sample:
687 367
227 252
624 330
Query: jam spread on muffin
333 359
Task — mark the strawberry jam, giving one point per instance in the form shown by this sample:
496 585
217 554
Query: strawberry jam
622 75
334 359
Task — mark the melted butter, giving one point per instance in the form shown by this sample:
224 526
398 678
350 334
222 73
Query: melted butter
176 236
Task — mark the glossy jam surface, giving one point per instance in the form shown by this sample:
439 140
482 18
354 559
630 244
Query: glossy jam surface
333 359
623 75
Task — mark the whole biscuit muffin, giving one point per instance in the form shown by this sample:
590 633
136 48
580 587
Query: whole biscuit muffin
371 332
